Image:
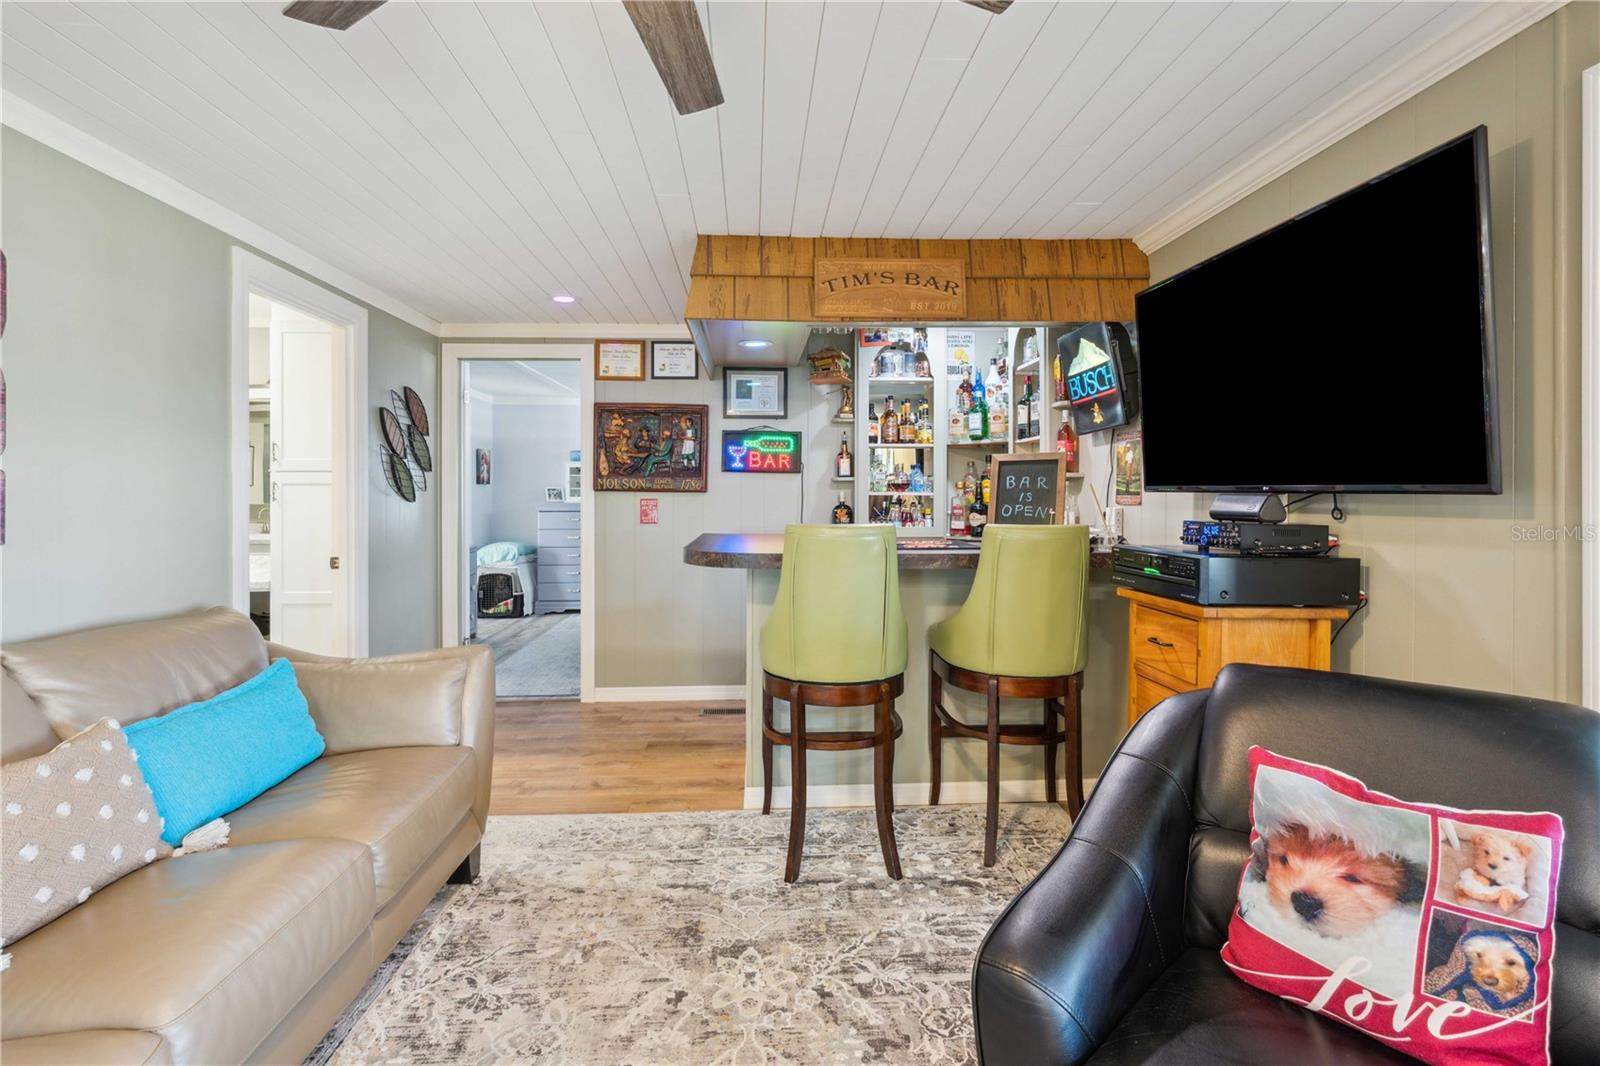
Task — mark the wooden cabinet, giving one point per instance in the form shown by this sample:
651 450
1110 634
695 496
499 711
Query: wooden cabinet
1175 646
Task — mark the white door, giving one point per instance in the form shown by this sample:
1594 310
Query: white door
308 583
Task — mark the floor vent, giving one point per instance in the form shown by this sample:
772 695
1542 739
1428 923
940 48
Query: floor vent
722 710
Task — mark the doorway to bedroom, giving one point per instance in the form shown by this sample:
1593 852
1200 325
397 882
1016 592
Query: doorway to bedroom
521 484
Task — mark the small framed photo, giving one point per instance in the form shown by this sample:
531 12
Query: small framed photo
619 360
755 392
674 361
554 495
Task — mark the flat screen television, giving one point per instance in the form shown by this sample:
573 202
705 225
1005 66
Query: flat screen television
1350 349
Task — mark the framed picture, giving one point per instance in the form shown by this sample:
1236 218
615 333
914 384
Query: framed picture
483 466
674 361
553 495
755 392
619 360
645 447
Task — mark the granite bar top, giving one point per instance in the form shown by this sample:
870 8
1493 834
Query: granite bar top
764 551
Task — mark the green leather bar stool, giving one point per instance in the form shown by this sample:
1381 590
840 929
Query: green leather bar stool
836 638
1021 633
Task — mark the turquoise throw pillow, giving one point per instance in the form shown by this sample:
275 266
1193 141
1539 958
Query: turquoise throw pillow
212 757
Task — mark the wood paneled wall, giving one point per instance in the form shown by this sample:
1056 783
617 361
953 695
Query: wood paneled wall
770 278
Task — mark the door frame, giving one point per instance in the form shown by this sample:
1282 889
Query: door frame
253 273
453 532
1589 464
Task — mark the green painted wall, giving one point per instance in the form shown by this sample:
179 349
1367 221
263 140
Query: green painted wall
116 362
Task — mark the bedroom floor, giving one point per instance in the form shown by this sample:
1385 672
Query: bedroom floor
533 656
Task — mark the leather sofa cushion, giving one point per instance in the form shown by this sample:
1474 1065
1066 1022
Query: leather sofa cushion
402 803
208 951
133 671
1198 1012
399 701
96 1045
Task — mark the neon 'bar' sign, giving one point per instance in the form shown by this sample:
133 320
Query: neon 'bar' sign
760 451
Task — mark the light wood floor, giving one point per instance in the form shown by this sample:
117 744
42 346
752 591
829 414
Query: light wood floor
563 757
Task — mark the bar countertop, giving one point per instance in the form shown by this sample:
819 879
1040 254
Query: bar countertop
764 551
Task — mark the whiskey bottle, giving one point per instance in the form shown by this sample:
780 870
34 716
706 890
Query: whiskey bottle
843 513
872 424
888 425
844 462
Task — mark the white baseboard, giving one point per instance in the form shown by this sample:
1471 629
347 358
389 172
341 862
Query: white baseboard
911 793
668 693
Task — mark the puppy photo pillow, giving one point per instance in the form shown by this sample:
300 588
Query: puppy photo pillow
1426 927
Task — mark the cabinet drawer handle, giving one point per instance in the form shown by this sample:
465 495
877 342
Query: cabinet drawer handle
1158 642
574 573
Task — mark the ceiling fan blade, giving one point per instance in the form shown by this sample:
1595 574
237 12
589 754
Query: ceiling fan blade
332 14
677 45
994 7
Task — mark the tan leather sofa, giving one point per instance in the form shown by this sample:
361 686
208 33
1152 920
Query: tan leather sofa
248 953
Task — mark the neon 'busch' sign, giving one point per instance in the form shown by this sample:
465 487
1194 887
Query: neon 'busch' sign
765 451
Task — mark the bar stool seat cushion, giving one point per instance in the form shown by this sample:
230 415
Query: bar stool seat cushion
1023 617
837 618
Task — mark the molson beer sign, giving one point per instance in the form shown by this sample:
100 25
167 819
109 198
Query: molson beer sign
1097 370
760 451
889 289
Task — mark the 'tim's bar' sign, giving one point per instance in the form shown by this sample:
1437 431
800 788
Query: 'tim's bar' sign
760 451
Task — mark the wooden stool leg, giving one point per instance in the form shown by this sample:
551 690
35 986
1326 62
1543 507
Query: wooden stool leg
1050 735
883 781
1074 708
797 784
935 733
766 753
991 821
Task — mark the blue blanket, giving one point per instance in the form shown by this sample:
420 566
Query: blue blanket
503 551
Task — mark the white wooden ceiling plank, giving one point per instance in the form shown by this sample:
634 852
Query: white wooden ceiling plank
1010 46
902 33
476 45
737 32
592 79
90 57
958 32
1018 127
1304 71
326 60
42 82
431 39
286 75
188 48
534 58
793 39
1063 172
1149 159
848 31
1096 77
377 50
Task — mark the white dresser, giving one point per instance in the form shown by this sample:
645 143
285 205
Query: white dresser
560 569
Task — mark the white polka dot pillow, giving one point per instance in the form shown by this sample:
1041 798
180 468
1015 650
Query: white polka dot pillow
71 821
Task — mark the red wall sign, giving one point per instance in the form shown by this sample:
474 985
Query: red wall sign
649 511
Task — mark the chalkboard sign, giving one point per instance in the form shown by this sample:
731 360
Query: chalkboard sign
1029 489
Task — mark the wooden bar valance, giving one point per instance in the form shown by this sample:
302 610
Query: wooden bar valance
778 279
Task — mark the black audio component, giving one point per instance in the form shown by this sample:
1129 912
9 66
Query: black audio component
1238 580
1249 507
1256 538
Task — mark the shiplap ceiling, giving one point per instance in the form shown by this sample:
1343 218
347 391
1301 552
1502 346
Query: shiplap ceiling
471 160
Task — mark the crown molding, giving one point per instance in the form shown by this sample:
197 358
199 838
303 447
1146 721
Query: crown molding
564 331
1495 24
56 133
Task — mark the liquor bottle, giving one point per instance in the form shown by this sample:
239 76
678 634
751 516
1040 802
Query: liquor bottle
994 381
1067 443
844 463
978 413
977 518
969 486
925 423
958 517
1001 353
843 513
957 428
964 391
988 479
872 424
927 513
888 425
908 423
998 417
1025 413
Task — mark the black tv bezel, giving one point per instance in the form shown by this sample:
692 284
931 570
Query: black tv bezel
1479 136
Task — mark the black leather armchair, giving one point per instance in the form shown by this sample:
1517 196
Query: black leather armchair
1111 954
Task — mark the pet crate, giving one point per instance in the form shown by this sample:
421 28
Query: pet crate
500 595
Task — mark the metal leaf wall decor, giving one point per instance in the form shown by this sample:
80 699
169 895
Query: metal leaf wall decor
407 459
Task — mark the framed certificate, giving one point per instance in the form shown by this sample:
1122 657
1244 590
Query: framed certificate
674 360
755 392
619 360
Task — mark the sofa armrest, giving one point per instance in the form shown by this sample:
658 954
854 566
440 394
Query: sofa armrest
1080 944
440 697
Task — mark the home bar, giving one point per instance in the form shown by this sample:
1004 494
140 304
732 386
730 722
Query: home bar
950 389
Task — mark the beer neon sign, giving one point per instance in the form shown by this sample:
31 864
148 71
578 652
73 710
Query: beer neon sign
760 451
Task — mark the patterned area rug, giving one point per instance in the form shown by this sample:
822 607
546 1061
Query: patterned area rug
671 939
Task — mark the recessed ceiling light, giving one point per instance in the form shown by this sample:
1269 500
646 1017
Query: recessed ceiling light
564 298
755 344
